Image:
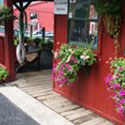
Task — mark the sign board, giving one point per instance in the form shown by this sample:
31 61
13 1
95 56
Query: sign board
1 2
60 7
72 1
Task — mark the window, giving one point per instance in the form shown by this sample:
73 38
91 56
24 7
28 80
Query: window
33 16
82 23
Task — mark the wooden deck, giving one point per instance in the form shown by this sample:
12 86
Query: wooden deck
39 86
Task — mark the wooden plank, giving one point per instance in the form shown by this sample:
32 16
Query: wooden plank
70 107
78 115
93 121
71 112
106 123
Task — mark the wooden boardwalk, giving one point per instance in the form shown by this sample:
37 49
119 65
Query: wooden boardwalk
39 86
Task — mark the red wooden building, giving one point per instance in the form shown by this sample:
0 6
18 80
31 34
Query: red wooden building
39 14
90 91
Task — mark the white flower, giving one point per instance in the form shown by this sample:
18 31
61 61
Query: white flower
82 57
70 50
86 57
55 55
68 59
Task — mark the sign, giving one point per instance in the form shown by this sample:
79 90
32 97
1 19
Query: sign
60 7
72 1
1 2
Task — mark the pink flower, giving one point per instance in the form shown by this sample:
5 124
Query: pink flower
114 94
72 84
58 82
75 61
122 92
121 111
69 68
122 101
62 65
58 87
114 85
67 64
59 60
61 81
72 58
120 68
66 79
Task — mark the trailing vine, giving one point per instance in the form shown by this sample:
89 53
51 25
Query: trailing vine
111 15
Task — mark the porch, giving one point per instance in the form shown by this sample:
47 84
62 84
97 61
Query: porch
39 86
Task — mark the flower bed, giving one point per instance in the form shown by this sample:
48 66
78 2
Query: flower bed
116 84
70 60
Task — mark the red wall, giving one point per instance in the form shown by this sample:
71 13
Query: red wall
90 91
2 50
45 12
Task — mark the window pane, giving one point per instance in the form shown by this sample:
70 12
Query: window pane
79 9
82 31
83 23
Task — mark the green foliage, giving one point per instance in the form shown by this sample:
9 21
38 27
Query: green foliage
107 7
116 83
4 13
70 60
111 15
3 74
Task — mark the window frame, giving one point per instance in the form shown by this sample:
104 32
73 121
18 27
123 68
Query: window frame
100 30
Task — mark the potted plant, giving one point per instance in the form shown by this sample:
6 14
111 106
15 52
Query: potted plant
3 73
116 84
70 59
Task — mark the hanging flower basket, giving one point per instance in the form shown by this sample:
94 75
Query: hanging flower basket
116 84
110 14
70 60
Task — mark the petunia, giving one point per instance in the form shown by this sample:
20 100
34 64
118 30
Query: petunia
122 101
75 61
66 79
72 58
72 84
120 68
122 93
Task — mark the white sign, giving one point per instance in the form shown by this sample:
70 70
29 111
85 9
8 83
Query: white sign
72 1
61 7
